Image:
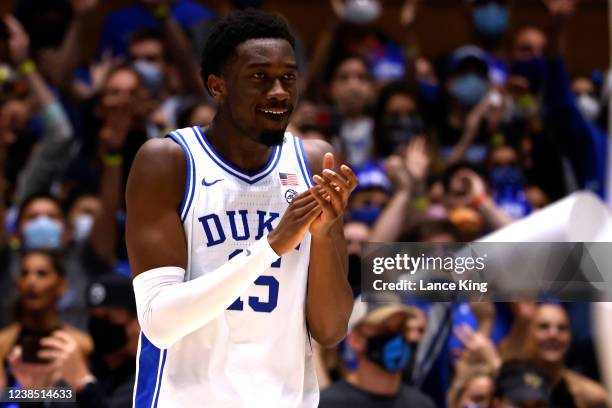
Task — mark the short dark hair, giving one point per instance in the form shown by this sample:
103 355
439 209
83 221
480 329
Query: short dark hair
38 196
238 27
146 34
57 262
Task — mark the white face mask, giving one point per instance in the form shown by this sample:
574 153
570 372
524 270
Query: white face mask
82 227
589 106
361 11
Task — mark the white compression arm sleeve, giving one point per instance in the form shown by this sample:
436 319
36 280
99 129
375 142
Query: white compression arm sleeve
169 309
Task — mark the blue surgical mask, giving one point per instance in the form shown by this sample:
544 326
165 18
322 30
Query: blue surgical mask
490 20
389 351
152 75
469 89
43 232
367 214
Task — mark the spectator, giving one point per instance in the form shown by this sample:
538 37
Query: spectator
195 112
352 92
522 385
472 389
397 118
377 335
40 285
371 195
547 345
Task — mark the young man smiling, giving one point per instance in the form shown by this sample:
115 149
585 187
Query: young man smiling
231 287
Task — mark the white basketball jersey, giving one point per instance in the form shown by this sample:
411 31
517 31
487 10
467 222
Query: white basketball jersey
258 352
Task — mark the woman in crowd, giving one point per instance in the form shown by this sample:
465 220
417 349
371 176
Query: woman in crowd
40 285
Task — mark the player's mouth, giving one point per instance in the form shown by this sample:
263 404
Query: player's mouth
275 114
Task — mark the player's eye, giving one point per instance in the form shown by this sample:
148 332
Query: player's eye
289 77
259 75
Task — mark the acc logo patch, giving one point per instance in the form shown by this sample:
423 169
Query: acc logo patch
290 195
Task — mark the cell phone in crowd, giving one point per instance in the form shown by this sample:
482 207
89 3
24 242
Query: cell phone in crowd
30 346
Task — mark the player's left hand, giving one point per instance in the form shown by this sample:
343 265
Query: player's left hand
332 192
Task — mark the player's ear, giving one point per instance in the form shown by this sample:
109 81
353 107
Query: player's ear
216 87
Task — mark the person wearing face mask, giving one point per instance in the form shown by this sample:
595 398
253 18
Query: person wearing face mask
371 196
377 335
82 213
42 225
586 98
40 286
397 118
507 181
351 91
490 20
467 84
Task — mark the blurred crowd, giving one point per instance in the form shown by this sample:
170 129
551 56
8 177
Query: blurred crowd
446 149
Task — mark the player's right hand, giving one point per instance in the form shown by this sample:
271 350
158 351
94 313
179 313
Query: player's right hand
295 222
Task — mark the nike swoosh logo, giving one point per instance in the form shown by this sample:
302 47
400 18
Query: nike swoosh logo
205 184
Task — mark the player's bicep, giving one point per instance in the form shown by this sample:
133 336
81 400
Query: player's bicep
154 232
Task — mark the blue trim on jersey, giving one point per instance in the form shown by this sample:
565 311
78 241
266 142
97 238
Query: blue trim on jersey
305 160
247 177
304 168
161 372
190 180
148 365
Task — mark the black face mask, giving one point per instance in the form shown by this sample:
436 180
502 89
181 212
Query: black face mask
108 337
390 351
400 129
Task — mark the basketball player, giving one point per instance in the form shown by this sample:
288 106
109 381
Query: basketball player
238 258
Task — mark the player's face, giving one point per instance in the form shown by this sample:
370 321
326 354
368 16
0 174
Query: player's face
261 86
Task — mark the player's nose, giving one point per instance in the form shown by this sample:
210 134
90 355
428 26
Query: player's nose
278 91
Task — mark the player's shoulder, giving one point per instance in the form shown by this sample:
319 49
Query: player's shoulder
161 166
315 149
160 156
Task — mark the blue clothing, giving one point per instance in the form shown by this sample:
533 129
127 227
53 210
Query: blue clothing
121 23
583 142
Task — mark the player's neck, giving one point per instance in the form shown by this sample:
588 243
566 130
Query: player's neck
235 147
373 379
